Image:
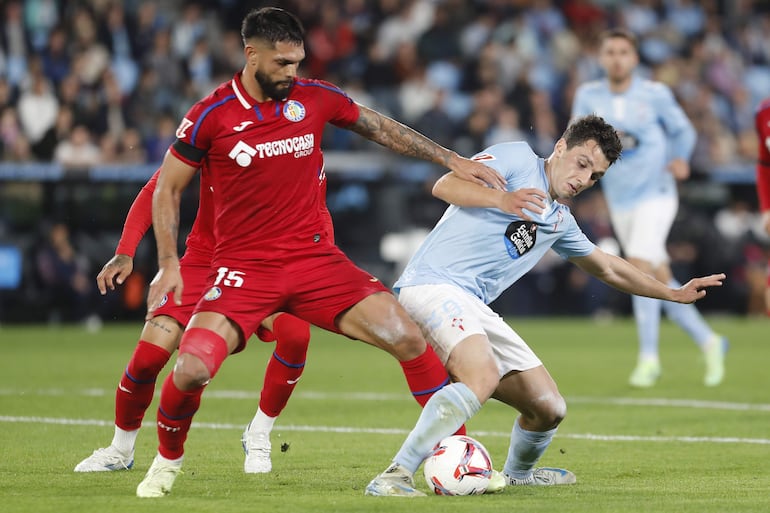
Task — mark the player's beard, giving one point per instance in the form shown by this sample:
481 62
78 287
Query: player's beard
276 90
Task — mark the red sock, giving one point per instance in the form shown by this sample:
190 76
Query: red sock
134 393
425 376
175 415
285 367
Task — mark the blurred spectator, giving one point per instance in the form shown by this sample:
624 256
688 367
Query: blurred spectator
78 151
38 108
64 275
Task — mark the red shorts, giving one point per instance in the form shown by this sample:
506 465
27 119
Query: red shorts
316 284
195 276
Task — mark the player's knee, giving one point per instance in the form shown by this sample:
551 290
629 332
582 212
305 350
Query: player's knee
408 342
190 373
201 354
552 411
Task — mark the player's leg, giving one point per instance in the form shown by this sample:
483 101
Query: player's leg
159 338
450 321
292 336
687 317
535 395
642 232
205 344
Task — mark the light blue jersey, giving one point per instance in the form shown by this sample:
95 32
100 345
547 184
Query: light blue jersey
653 128
484 250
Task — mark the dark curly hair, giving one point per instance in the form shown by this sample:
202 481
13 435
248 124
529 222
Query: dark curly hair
273 25
593 127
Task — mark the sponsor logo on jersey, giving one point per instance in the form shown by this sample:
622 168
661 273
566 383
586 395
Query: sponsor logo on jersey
294 111
242 126
300 146
213 294
520 237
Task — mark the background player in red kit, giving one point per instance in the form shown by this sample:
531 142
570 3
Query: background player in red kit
161 334
259 136
762 123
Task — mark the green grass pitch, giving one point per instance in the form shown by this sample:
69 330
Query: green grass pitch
678 447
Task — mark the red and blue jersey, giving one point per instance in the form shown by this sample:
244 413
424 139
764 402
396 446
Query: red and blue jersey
265 164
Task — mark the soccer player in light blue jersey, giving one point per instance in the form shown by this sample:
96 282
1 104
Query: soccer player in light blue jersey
642 196
485 241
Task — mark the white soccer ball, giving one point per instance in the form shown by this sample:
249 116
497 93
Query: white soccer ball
459 465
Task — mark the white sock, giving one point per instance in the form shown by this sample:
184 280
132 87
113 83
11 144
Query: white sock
177 462
443 414
261 422
124 441
525 450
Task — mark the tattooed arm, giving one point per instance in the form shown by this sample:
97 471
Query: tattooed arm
172 180
406 141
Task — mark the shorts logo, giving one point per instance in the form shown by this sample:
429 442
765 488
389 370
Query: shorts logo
294 111
520 237
213 294
163 301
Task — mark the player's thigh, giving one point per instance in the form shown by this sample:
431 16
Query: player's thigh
379 320
163 331
643 230
444 314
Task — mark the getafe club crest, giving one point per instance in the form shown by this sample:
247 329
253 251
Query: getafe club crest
212 294
294 111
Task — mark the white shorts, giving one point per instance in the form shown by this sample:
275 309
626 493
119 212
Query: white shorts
642 230
447 315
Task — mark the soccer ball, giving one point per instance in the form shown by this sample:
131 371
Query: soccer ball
459 465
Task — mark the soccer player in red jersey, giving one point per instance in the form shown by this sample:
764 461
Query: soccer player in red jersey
161 334
762 123
259 136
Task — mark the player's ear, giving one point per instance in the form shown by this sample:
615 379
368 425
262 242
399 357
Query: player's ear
560 147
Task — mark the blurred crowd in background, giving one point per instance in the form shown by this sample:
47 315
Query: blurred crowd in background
105 82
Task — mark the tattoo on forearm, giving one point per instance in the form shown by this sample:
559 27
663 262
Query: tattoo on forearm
398 137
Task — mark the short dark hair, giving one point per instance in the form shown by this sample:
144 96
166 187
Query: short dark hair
621 33
593 127
273 25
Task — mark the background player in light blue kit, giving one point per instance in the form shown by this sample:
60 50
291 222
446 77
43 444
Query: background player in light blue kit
641 192
483 243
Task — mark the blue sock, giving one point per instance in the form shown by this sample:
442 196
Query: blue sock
443 414
647 315
688 318
525 450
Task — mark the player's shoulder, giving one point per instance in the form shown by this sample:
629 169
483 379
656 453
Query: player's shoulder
507 150
314 85
591 87
654 87
223 94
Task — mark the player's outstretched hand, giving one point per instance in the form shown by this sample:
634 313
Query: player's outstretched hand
515 202
116 270
476 172
694 289
168 279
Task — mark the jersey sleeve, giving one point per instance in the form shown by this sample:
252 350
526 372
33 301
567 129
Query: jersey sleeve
194 134
680 131
138 220
574 242
343 110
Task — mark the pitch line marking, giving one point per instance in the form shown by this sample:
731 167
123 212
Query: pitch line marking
375 396
395 431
